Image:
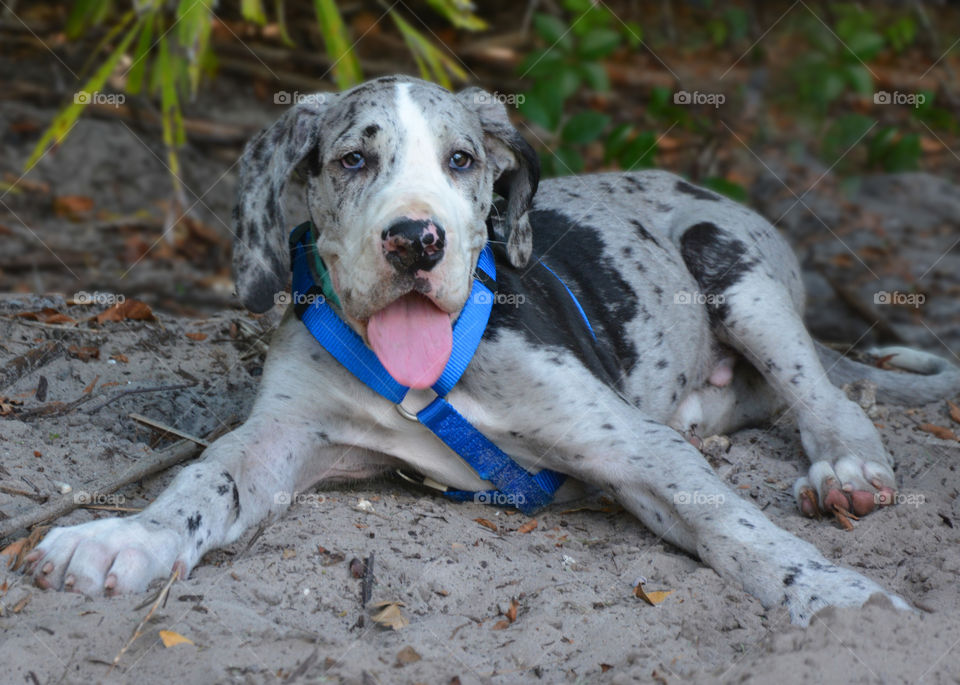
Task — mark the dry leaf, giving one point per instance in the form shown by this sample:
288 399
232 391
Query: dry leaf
84 354
407 655
89 389
71 205
18 549
8 406
18 607
170 638
46 315
652 598
198 336
390 615
501 625
128 310
288 554
487 524
122 358
939 431
528 526
605 667
954 411
512 611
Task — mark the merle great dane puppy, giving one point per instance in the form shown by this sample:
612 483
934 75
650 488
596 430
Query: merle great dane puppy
696 303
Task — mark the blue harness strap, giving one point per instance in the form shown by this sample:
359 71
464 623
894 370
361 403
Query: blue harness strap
514 485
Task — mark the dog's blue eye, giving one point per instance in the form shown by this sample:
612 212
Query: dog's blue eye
352 160
460 160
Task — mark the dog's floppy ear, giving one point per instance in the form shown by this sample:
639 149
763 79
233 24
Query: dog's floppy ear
261 255
517 169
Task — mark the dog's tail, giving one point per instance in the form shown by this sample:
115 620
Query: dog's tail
930 377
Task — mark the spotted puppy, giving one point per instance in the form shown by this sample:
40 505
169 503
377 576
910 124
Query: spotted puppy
696 303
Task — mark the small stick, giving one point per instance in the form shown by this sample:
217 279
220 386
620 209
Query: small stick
367 588
161 599
154 463
137 391
164 428
33 359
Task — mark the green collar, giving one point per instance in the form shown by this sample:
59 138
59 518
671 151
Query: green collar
320 272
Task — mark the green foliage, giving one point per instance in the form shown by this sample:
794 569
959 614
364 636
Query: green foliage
171 53
572 58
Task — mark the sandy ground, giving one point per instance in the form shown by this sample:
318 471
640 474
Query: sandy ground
285 607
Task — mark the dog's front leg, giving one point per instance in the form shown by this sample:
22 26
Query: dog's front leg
666 482
209 504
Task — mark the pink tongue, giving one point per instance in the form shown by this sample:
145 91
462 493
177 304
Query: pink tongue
412 338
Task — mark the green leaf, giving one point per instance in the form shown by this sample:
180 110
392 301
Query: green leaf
639 153
140 54
598 43
346 67
843 134
904 154
459 13
584 127
595 74
616 141
859 78
66 118
865 44
633 33
734 191
565 81
252 10
555 33
568 160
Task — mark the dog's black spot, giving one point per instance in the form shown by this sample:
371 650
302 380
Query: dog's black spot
193 522
717 262
370 130
631 180
699 193
682 380
641 232
746 523
608 426
574 253
281 396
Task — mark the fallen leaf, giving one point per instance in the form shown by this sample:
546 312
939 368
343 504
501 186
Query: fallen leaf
18 607
72 205
939 431
390 615
954 411
198 336
128 310
89 389
170 638
84 354
122 358
407 655
358 569
605 667
288 554
512 611
528 526
46 315
501 625
652 598
487 524
8 406
18 549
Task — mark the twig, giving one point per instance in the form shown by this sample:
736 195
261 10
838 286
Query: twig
24 493
136 391
366 589
160 600
50 326
164 428
53 408
31 360
154 463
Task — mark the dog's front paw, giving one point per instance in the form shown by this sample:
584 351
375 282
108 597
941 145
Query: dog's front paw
816 585
852 484
109 556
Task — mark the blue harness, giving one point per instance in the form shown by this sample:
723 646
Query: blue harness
514 486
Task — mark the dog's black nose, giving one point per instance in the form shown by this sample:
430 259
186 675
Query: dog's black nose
412 245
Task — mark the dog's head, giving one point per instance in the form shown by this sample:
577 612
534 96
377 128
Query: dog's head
400 179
